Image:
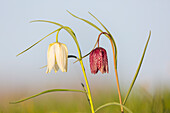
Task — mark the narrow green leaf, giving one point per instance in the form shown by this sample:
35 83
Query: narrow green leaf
86 92
85 21
38 42
137 71
70 30
48 91
65 27
100 23
111 104
47 22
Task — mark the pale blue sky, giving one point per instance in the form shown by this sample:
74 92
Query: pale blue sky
128 21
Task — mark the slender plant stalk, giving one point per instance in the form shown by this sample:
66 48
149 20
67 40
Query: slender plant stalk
81 62
115 68
83 69
70 31
137 72
85 77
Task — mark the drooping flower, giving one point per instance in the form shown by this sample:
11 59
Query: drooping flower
99 61
57 57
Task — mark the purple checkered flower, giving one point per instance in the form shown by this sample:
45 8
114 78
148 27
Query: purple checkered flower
98 60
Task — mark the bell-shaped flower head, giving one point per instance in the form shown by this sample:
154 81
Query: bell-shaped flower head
98 60
57 57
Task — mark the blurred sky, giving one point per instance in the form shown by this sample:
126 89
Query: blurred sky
128 21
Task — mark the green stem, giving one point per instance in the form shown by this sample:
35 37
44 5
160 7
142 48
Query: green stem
69 30
85 77
81 62
115 67
138 69
83 69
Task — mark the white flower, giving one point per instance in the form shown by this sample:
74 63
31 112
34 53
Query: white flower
57 57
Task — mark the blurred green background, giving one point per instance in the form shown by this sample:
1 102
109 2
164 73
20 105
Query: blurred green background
140 101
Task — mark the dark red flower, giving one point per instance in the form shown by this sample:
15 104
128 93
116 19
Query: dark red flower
98 60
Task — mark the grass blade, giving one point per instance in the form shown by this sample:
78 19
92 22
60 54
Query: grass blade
113 103
47 22
69 30
100 23
47 91
86 21
137 71
38 42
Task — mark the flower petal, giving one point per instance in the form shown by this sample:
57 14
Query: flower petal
103 62
61 53
56 68
50 57
98 60
106 63
93 62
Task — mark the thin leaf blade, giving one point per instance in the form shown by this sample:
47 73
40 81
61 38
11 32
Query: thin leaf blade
38 42
111 104
47 91
137 71
90 23
100 23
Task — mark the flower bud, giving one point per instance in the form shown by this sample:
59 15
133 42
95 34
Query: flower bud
98 61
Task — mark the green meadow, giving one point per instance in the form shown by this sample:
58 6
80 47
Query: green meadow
140 101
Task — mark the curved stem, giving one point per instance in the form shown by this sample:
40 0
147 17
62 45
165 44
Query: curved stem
93 25
115 67
65 27
72 56
57 35
89 52
69 30
111 104
85 77
83 69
